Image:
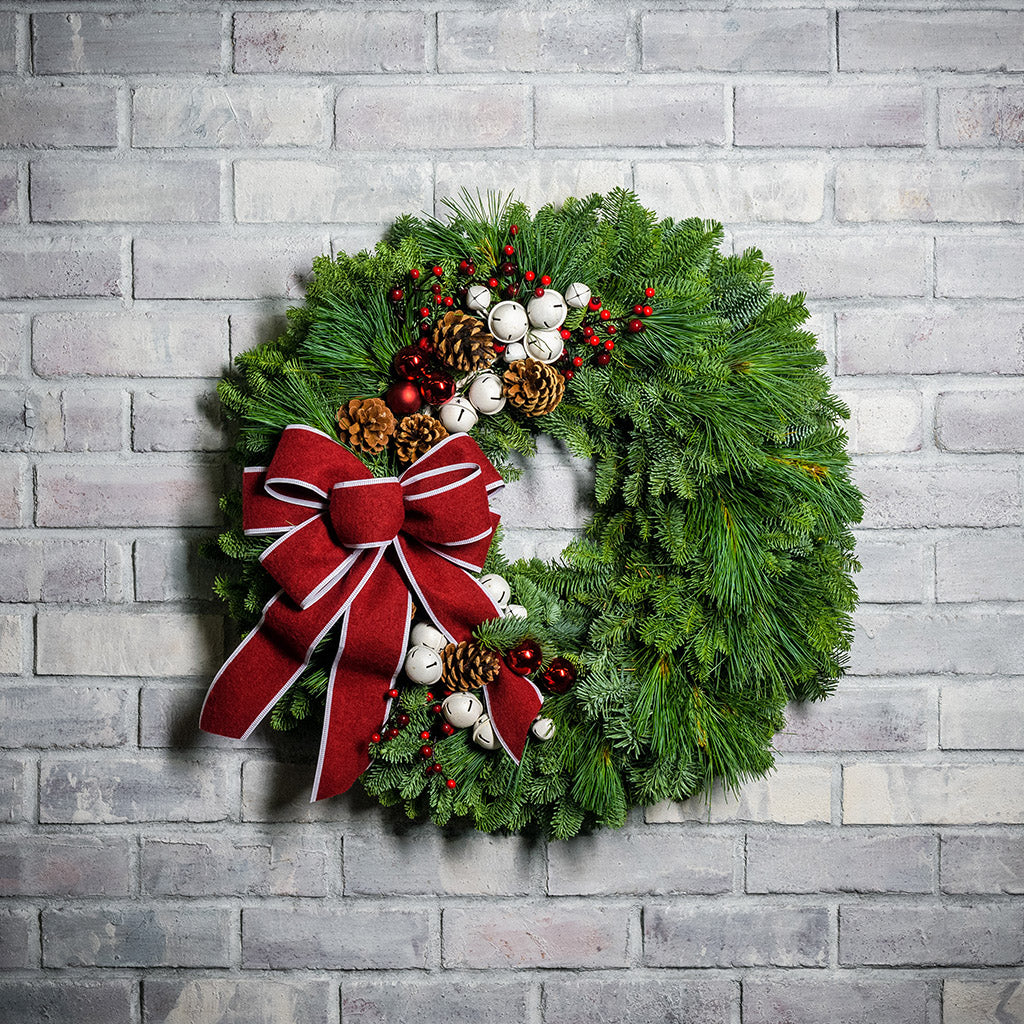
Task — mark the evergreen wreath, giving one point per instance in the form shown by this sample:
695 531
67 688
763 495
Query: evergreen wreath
712 583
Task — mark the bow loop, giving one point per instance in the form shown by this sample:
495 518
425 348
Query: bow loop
366 513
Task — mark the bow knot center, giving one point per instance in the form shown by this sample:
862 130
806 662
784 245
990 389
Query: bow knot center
366 513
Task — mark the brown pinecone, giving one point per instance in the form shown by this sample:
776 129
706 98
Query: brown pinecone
366 424
467 666
533 387
416 435
462 342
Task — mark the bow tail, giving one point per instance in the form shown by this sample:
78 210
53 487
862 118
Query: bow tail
373 639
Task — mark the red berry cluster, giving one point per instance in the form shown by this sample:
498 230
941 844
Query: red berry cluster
400 721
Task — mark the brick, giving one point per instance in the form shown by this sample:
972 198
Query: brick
109 192
351 937
884 420
234 1001
15 791
554 935
172 569
727 934
894 571
30 421
122 495
927 192
275 792
974 716
43 1002
330 41
534 182
904 794
925 340
169 718
63 267
986 862
980 565
657 862
900 494
932 41
862 718
92 420
980 421
897 935
472 864
300 190
784 190
12 642
12 491
240 866
546 493
251 329
453 1001
182 268
902 641
210 116
19 942
114 790
828 115
844 266
794 794
59 866
978 267
65 716
985 116
12 334
736 40
96 643
125 43
9 184
582 1000
496 40
371 117
8 40
130 344
629 115
178 418
840 861
41 115
996 1001
138 937
857 1000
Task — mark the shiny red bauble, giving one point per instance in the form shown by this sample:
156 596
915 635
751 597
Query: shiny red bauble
410 362
525 658
560 675
403 398
436 388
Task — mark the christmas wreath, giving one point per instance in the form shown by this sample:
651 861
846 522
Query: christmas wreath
712 583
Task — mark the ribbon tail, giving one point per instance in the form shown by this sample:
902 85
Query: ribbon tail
373 640
513 702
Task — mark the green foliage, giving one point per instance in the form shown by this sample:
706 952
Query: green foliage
713 581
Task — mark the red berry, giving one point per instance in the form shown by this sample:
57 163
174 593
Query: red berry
425 735
588 332
513 229
649 292
509 250
424 312
438 300
449 301
447 729
577 360
451 783
472 268
648 310
436 708
492 282
594 304
508 269
428 697
609 345
538 292
529 275
463 265
427 751
594 340
606 314
638 309
436 769
611 328
435 289
426 345
438 271
569 374
375 738
403 720
396 294
545 280
510 290
414 274
636 326
392 693
603 358
393 732
498 347
565 334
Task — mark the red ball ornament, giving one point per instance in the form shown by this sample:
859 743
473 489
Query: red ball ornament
396 295
525 658
636 326
498 347
649 292
509 250
403 399
603 358
545 280
410 362
435 289
560 675
436 388
429 697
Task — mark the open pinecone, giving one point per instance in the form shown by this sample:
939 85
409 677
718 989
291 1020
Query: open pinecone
366 424
467 666
416 435
533 387
462 342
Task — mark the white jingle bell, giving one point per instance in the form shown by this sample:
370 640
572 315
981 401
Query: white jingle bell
544 345
515 611
461 710
543 728
457 415
517 350
577 295
483 734
498 588
508 321
425 635
548 310
487 394
423 665
478 298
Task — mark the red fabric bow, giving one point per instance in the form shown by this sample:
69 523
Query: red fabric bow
354 549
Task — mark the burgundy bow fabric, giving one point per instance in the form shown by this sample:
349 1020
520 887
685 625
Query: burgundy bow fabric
353 550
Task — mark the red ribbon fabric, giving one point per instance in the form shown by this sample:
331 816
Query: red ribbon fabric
353 550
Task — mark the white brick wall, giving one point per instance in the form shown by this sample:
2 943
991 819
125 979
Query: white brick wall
167 175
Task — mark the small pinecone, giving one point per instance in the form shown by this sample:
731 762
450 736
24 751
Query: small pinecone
534 388
366 424
462 342
467 666
416 435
